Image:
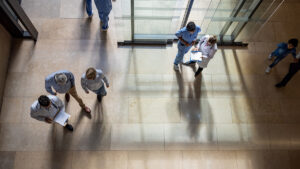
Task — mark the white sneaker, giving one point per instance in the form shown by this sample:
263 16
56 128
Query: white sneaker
270 57
176 67
268 69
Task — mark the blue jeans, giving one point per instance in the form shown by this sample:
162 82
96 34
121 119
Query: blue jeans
280 53
182 50
89 8
103 13
101 91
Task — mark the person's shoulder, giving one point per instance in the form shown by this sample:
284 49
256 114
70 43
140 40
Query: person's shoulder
83 76
198 28
34 104
99 71
53 98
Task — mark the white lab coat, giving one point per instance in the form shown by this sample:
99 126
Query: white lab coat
207 51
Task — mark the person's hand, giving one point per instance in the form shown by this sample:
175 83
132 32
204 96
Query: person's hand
47 120
107 85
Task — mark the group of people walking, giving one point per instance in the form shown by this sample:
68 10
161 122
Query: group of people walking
46 108
208 46
187 39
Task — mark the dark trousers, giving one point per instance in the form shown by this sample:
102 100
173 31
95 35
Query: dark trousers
294 67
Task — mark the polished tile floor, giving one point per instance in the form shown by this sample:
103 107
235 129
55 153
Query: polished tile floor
231 117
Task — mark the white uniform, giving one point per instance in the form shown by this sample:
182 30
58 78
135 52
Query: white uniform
207 51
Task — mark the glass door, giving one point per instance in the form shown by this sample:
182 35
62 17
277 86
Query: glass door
157 19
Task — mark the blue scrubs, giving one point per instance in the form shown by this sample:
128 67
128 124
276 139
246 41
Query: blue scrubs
103 6
189 38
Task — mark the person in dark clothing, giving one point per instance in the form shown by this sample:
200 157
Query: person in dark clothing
294 68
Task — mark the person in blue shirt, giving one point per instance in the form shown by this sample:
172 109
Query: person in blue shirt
104 7
63 82
187 38
283 49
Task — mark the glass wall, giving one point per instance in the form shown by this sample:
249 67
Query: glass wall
151 20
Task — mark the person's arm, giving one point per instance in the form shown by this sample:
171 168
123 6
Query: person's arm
71 78
213 51
48 85
34 114
179 34
84 84
105 81
101 74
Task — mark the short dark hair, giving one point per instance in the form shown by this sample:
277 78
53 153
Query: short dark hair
44 100
190 26
294 42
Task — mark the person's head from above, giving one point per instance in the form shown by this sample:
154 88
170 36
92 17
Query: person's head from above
61 78
212 40
44 101
191 27
292 43
91 73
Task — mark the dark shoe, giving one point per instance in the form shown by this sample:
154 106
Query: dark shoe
279 85
67 97
99 98
69 127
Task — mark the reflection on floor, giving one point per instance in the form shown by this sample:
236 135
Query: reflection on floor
231 117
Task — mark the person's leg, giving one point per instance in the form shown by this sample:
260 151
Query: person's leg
89 8
100 93
104 16
288 77
198 71
182 50
73 92
276 61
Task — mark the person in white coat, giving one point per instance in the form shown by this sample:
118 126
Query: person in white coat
208 47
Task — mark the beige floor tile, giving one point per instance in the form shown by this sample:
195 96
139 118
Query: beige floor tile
191 136
137 137
15 87
44 159
154 110
209 159
280 136
7 159
26 137
258 136
103 159
252 159
38 9
11 111
155 160
76 9
92 136
220 110
232 136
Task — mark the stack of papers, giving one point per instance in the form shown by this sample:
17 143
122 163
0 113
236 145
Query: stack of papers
61 118
196 56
